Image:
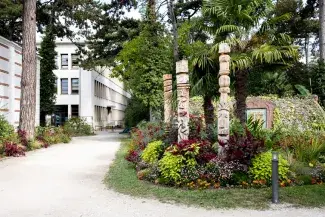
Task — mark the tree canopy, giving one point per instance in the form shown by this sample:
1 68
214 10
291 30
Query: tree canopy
48 87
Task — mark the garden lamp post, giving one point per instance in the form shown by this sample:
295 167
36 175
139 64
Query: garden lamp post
275 177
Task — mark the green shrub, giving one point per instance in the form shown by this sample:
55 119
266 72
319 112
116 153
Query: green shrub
77 127
150 174
304 180
34 144
305 173
64 138
261 168
310 151
152 152
52 135
7 131
170 167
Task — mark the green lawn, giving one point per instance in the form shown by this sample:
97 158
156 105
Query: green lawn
122 178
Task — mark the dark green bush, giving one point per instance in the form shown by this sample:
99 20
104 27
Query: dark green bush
136 112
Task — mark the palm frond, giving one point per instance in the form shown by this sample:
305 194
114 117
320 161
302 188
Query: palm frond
240 61
215 8
302 90
233 42
271 23
267 53
229 29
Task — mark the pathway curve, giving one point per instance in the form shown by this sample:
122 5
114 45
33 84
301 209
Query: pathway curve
66 181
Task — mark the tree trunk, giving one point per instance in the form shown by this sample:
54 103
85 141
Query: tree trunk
172 18
241 78
307 49
208 111
28 79
322 29
12 29
152 11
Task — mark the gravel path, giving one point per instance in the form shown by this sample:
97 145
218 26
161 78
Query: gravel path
66 181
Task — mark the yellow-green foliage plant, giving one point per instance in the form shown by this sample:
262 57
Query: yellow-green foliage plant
261 168
34 144
170 167
152 152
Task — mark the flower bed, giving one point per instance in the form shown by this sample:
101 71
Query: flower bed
245 162
15 144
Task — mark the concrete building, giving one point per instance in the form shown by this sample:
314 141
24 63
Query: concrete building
10 82
94 96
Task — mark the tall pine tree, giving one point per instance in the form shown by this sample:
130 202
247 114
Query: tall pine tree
48 79
28 76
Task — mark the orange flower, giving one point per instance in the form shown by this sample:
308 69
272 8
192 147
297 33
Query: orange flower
262 182
217 185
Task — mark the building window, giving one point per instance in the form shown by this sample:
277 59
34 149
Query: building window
74 110
95 88
74 85
64 61
75 61
64 86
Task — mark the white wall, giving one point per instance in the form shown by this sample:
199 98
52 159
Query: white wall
10 82
116 96
86 107
69 73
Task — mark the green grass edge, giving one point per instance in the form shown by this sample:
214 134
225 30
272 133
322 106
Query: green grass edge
122 178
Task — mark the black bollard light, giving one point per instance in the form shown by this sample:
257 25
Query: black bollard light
275 177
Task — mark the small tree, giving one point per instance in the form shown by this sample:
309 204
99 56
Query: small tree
48 79
144 60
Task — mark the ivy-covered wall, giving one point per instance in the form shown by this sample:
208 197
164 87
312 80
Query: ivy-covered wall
290 112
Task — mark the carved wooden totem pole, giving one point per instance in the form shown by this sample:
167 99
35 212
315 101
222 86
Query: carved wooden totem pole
168 94
224 83
183 95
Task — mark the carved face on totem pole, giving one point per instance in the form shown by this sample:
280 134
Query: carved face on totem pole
223 120
183 99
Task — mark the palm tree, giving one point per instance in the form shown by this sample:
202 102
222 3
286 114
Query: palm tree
248 27
204 81
203 64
